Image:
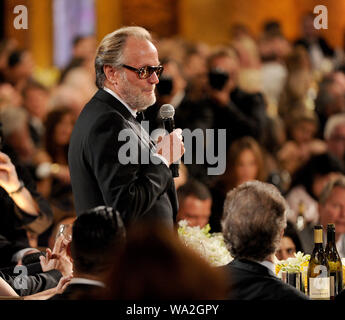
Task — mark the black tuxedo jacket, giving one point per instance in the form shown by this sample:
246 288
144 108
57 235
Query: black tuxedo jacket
98 173
249 280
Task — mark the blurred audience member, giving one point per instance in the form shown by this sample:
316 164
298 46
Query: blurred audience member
330 99
155 265
290 243
218 111
194 203
96 235
308 183
301 130
273 48
253 222
245 162
20 68
273 45
36 98
80 80
334 135
331 210
84 47
295 93
52 164
64 95
17 138
248 75
317 46
9 96
6 47
194 70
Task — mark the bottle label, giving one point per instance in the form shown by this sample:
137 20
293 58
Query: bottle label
332 286
319 288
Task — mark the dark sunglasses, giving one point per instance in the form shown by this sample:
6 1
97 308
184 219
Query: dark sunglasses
146 71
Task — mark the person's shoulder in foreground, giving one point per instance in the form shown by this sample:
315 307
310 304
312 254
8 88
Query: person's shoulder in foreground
249 280
253 225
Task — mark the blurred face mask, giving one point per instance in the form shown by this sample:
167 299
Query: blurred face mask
217 78
165 86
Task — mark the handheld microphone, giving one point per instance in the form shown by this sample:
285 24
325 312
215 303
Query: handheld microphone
167 112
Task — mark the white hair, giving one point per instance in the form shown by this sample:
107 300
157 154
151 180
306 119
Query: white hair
13 119
332 123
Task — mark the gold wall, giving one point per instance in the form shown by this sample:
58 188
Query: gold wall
196 20
210 21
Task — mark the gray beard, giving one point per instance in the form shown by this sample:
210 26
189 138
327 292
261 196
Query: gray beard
135 100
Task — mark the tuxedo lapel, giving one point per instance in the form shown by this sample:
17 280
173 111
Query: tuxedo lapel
124 112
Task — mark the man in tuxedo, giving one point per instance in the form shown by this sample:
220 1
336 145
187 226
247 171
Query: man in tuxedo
96 236
253 224
331 210
112 159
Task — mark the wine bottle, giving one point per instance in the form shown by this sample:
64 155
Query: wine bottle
334 261
318 270
300 223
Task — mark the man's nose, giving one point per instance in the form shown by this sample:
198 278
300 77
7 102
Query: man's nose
153 78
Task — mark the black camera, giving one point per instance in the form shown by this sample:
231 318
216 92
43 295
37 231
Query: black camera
217 78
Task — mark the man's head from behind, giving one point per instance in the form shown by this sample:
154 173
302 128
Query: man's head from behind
253 220
332 204
194 203
95 234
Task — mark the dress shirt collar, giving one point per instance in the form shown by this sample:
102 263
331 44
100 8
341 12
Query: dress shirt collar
87 281
269 265
133 112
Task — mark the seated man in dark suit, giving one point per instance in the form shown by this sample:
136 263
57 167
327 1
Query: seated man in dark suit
253 222
95 235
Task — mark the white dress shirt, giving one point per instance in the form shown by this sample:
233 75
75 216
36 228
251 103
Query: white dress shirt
269 265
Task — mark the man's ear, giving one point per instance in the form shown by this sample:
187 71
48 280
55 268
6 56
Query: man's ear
110 73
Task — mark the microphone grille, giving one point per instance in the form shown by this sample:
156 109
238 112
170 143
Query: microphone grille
167 111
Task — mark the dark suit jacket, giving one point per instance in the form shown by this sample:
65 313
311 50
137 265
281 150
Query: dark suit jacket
98 176
33 283
250 280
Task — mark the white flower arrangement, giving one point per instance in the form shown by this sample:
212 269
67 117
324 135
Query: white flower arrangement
210 246
297 264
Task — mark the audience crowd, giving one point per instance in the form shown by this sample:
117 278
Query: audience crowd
282 104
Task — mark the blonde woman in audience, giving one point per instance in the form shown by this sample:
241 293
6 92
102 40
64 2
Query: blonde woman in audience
302 126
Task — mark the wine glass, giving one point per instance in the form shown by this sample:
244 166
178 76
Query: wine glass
65 230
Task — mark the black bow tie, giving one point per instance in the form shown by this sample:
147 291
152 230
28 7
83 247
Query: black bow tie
140 117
